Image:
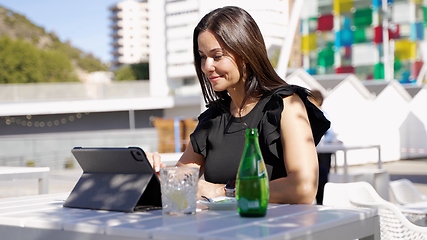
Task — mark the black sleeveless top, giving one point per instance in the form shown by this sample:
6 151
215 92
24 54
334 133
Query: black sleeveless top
220 137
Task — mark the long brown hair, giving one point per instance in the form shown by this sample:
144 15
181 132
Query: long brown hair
239 32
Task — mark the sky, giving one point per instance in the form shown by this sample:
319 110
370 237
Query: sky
85 23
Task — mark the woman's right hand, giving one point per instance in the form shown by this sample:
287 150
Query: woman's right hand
209 190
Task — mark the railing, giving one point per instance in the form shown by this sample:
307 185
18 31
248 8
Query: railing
54 150
54 160
72 91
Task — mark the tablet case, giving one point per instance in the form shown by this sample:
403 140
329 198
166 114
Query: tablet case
114 179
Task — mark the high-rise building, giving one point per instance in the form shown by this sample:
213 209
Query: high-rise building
130 32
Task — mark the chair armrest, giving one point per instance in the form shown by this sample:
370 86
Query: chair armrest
396 212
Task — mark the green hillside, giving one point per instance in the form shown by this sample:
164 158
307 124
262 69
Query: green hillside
30 54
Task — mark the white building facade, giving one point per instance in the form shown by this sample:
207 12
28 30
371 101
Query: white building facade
171 30
129 32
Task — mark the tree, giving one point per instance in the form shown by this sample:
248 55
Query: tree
84 61
22 62
91 64
138 71
19 62
124 73
141 70
57 67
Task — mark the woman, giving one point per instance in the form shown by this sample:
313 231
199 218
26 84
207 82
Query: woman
243 90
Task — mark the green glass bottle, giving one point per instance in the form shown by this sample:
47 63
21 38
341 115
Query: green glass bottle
252 189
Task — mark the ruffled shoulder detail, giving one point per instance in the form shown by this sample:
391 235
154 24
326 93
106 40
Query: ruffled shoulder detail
273 110
200 135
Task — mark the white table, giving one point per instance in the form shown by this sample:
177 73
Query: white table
43 217
333 148
40 173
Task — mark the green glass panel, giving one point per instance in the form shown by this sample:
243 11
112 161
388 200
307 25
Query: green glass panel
425 14
325 57
359 35
363 17
325 61
379 71
397 65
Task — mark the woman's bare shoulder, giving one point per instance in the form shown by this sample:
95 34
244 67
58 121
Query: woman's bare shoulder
293 103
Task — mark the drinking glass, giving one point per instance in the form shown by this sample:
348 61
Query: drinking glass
179 190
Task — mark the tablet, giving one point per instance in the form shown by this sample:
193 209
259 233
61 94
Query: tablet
114 179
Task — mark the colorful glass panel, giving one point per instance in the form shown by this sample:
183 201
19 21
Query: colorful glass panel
325 23
363 17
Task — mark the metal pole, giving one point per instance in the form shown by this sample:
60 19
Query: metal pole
423 71
285 51
386 44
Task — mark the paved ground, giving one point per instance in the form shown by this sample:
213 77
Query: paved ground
414 170
64 180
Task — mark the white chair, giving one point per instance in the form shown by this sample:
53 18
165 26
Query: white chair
339 194
393 224
378 178
405 192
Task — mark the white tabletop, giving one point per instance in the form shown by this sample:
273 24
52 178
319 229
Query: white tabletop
43 217
13 170
40 173
335 147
